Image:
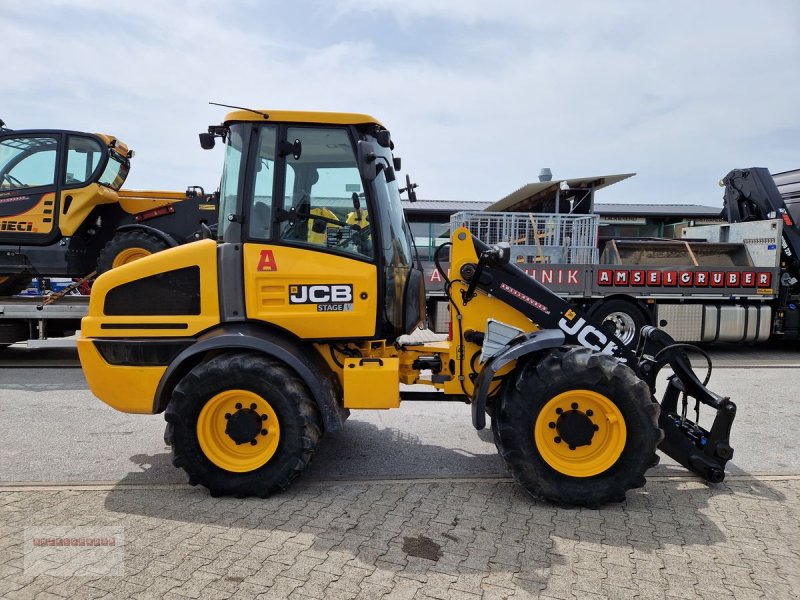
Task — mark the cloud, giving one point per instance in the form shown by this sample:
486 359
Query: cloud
478 99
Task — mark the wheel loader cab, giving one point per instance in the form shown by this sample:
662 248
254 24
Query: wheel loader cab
315 261
51 180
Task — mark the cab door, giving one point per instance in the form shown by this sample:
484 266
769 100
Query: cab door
28 187
309 257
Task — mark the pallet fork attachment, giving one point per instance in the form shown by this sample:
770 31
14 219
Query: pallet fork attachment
704 452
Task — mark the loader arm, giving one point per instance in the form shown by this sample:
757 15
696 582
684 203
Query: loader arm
704 452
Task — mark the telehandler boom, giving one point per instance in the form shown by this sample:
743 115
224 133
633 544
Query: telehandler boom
255 344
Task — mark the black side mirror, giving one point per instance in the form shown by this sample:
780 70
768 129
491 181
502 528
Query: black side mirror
207 141
397 162
412 195
366 161
384 138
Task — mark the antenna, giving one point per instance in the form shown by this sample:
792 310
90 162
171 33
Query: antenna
258 112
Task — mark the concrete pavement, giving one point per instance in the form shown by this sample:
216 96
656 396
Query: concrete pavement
410 503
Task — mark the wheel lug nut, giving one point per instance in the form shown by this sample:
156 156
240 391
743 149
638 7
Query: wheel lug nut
253 406
263 432
572 447
253 442
589 412
559 411
574 406
263 417
238 406
551 425
227 415
597 428
557 440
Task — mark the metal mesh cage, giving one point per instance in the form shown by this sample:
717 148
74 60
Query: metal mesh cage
535 237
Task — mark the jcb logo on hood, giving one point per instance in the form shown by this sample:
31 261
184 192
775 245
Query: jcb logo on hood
320 294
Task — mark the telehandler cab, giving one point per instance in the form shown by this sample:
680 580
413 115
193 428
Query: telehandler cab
63 212
257 343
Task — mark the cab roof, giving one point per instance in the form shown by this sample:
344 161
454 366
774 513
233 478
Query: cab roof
302 116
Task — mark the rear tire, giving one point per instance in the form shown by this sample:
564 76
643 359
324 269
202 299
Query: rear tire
128 246
622 318
566 382
218 395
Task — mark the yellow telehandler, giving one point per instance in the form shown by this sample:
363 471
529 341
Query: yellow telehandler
258 342
63 212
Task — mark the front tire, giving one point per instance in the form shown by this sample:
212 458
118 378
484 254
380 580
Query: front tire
577 428
242 425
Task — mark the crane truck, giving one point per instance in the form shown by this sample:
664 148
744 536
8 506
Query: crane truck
256 344
736 281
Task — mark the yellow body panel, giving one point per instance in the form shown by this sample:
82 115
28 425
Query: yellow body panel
34 219
274 273
107 382
302 116
475 314
120 147
202 253
136 201
83 201
371 383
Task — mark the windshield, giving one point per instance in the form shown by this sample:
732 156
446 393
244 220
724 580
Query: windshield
395 240
116 171
395 233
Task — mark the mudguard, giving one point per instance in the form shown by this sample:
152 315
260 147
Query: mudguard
304 360
544 339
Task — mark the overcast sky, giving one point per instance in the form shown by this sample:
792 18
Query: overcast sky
479 94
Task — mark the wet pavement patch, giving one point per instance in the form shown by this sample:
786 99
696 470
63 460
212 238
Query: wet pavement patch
422 547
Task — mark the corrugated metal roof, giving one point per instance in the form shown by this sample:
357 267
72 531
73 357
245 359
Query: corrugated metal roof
661 210
444 205
609 209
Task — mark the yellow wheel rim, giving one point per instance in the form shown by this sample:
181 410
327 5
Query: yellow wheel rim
571 418
128 256
238 415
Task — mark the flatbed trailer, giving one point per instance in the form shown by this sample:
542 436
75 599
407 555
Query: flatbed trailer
737 281
720 284
28 319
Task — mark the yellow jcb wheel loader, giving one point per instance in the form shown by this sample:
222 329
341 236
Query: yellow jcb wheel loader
258 343
62 212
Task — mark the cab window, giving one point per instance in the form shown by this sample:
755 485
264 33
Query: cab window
27 162
324 188
83 156
261 201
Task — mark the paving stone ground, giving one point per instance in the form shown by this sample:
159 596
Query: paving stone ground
461 539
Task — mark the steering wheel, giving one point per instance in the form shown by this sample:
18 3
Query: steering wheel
13 180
